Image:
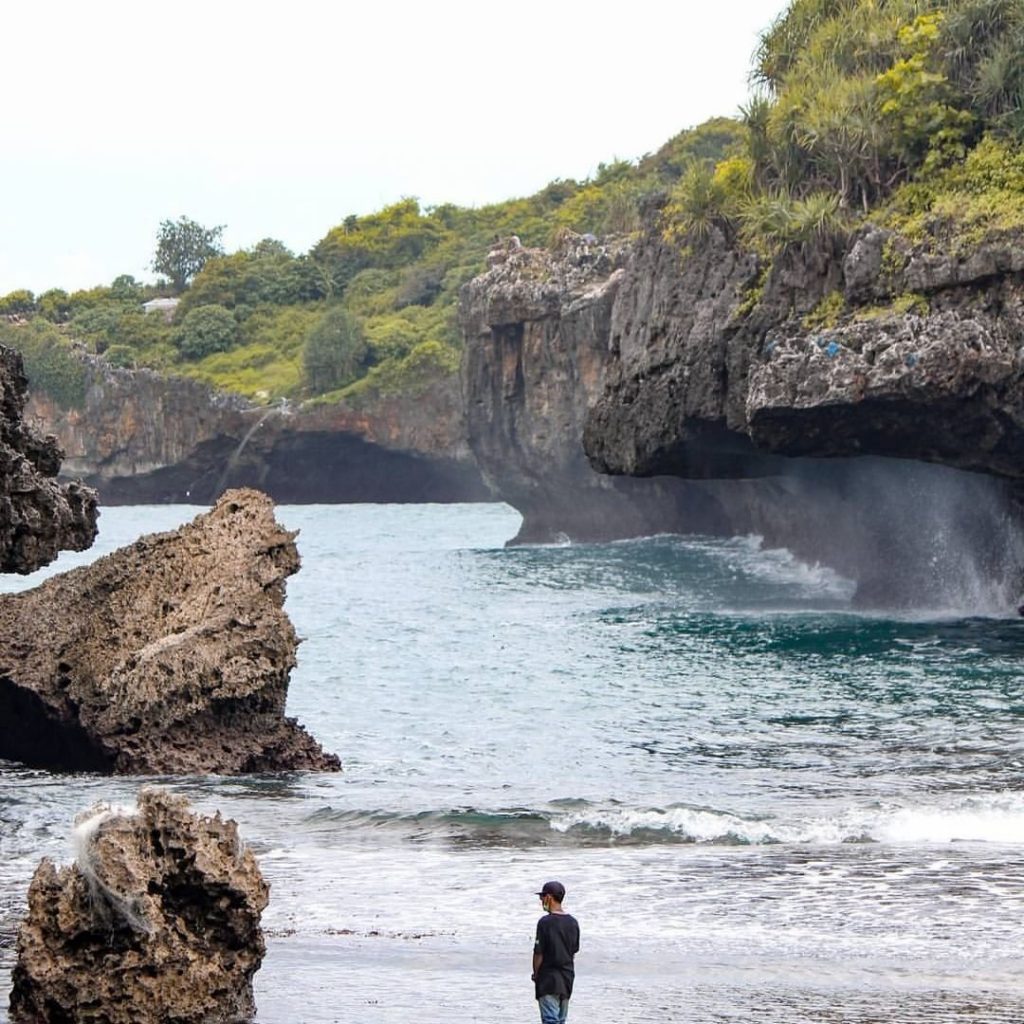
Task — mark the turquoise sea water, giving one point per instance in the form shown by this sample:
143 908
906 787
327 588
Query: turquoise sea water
765 806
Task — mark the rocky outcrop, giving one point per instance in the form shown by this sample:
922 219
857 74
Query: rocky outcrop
697 350
158 920
168 656
702 368
38 516
921 360
943 383
141 437
536 327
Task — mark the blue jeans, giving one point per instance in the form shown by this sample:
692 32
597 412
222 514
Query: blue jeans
553 1009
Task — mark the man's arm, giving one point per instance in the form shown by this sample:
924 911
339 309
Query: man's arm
537 960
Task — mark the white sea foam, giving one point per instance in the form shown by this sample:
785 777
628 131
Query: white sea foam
990 819
748 557
999 820
693 824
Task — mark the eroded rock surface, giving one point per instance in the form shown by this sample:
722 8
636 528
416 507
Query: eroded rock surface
169 656
158 920
688 391
946 387
927 362
537 332
38 516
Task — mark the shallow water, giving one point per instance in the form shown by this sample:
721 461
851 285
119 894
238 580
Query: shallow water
764 806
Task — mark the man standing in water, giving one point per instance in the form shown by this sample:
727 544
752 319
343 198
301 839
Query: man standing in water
557 942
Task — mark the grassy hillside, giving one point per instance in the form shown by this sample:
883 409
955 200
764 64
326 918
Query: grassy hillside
904 112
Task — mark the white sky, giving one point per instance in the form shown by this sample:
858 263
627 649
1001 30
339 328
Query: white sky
277 120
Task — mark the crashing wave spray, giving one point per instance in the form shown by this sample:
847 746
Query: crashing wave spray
913 535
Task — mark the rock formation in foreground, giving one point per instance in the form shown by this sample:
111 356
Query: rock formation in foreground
38 516
171 655
158 920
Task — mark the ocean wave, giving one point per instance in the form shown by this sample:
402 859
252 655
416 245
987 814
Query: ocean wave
992 818
513 827
694 825
780 566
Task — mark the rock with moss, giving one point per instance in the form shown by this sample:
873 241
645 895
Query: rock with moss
157 920
39 517
172 655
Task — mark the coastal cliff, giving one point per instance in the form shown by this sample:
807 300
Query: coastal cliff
38 516
536 329
709 369
926 363
139 437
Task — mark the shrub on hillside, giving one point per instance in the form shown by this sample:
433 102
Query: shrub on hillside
205 330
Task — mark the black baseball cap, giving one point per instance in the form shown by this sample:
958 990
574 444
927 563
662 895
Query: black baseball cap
555 889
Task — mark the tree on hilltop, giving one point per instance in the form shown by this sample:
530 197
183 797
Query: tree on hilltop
182 249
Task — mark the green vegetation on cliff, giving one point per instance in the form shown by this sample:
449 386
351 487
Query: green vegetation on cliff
906 113
49 360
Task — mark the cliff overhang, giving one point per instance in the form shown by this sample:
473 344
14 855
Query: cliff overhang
817 400
923 361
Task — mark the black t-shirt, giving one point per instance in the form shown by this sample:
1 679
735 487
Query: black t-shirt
558 941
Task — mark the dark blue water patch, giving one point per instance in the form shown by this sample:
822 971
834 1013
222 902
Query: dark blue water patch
971 642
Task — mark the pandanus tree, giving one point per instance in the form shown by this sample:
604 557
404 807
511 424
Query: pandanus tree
856 97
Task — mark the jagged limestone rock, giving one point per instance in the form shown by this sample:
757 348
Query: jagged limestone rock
713 377
943 388
171 655
537 334
926 361
157 920
38 516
